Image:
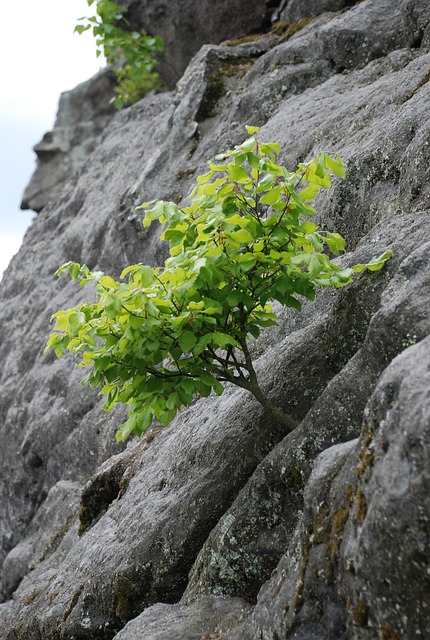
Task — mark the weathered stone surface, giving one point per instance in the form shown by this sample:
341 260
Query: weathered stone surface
59 511
222 483
152 533
356 566
248 541
209 618
416 18
54 431
386 543
293 10
186 25
83 113
350 41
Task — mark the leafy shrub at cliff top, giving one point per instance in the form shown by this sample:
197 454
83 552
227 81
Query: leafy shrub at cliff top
163 335
132 54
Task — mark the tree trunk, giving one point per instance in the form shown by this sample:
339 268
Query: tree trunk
275 412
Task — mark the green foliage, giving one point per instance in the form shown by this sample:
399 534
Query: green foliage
131 53
161 336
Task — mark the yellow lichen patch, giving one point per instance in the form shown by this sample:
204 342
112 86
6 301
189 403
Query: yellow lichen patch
244 39
338 525
287 30
283 30
32 596
366 456
361 506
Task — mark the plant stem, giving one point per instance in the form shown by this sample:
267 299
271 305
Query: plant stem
275 412
252 385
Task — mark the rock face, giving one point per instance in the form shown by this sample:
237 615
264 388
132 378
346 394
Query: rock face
223 526
82 116
186 25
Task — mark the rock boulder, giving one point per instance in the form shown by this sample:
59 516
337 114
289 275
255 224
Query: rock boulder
307 535
82 116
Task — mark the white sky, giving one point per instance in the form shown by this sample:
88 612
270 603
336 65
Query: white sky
41 58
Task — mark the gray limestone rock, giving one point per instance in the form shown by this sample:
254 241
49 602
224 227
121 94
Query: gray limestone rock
57 430
59 512
294 10
416 18
209 618
250 538
356 565
186 25
222 492
383 556
83 113
138 552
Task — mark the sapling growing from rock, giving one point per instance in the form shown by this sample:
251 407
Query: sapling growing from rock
131 53
162 336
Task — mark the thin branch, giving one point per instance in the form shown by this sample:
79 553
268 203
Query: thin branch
165 289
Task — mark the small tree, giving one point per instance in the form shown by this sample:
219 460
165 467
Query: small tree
132 53
165 335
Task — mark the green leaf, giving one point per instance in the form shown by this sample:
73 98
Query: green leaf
229 206
225 190
223 340
206 177
335 242
246 146
147 276
317 173
136 423
237 220
73 267
283 284
62 320
253 160
308 193
320 168
242 236
108 283
76 321
80 28
152 343
162 211
240 159
272 196
308 227
247 260
234 298
266 182
377 263
173 401
237 173
187 341
293 302
201 344
270 149
75 270
336 166
251 130
196 306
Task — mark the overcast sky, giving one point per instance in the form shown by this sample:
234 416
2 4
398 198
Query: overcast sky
41 58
